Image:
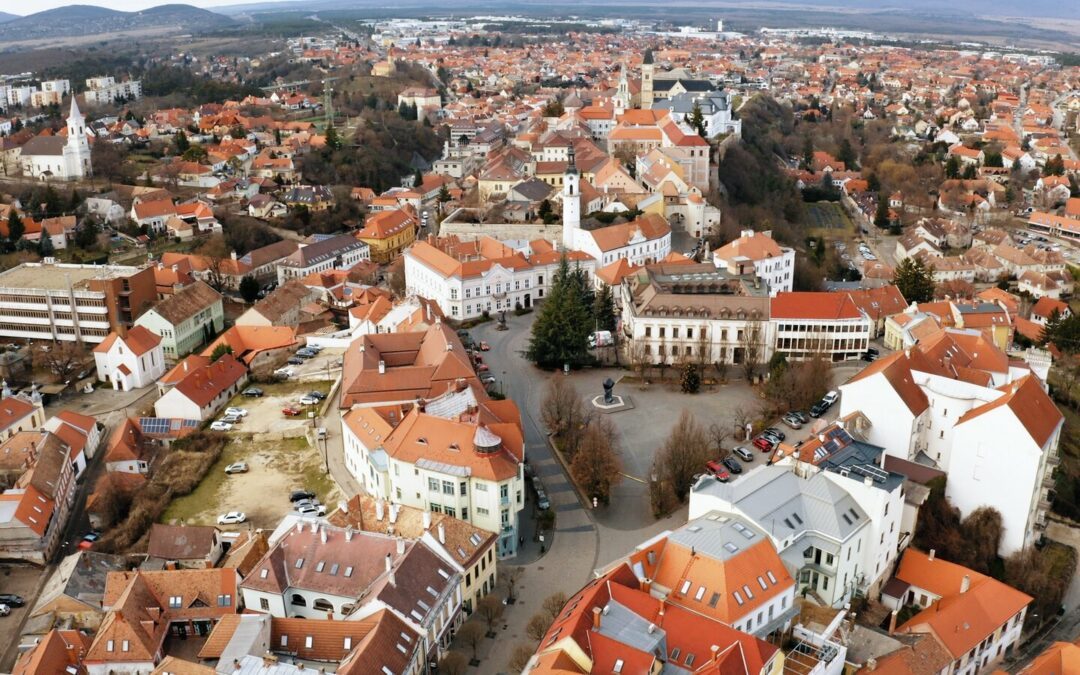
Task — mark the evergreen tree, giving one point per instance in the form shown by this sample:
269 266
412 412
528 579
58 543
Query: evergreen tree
914 280
691 378
333 139
881 216
76 199
1055 166
16 227
249 288
697 121
444 194
952 167
847 155
873 183
970 172
808 152
45 247
604 309
560 332
182 142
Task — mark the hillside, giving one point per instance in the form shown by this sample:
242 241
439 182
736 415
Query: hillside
89 20
4 16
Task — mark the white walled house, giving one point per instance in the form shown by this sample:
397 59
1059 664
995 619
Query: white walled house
468 278
131 362
955 402
759 252
204 391
449 455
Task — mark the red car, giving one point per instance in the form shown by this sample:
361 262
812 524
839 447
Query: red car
717 470
290 412
482 368
763 444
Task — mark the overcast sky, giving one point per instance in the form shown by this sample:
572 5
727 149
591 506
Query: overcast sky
124 5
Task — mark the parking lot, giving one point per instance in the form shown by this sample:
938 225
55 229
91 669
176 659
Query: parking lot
21 580
325 366
275 468
265 412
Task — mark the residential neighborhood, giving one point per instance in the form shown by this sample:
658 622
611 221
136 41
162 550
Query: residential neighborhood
484 340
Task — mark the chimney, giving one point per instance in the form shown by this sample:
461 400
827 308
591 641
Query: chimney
892 622
715 651
389 564
965 584
394 513
185 365
348 534
420 404
379 509
382 367
933 552
322 535
646 585
442 534
821 438
596 618
400 546
868 481
300 526
427 520
652 628
871 664
232 254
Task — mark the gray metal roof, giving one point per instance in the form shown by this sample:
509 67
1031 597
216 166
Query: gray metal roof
710 102
624 626
785 505
718 535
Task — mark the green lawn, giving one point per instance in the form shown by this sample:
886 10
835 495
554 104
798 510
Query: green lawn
191 506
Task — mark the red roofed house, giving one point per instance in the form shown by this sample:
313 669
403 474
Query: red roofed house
955 402
1044 309
34 512
830 324
204 390
976 618
388 233
131 362
60 651
19 414
615 625
80 432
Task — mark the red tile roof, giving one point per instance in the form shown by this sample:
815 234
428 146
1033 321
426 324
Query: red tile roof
809 305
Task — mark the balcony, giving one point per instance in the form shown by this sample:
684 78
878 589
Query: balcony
1053 460
1044 504
504 500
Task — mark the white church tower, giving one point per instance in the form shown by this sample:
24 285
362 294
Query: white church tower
77 148
571 204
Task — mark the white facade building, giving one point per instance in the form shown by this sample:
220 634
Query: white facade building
448 455
956 403
807 324
56 157
131 362
105 90
770 261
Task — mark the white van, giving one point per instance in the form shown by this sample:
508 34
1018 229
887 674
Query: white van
601 338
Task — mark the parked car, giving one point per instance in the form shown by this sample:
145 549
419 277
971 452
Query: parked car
732 465
763 444
308 399
253 392
295 361
237 467
4 610
482 368
800 415
88 540
487 378
542 501
305 355
221 425
231 518
236 412
311 510
819 409
317 394
717 470
285 372
11 600
290 411
871 354
743 454
231 419
792 421
773 431
831 398
484 346
300 495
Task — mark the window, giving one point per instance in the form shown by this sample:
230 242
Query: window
125 646
448 487
464 513
685 587
175 601
109 646
264 604
308 640
298 600
224 600
432 485
463 488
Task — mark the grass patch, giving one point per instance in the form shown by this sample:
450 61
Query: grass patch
189 507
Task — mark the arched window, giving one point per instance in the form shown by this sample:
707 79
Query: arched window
322 605
298 600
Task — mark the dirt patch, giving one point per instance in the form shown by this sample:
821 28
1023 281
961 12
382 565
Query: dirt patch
275 469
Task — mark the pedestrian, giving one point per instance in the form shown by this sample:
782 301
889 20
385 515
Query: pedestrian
521 540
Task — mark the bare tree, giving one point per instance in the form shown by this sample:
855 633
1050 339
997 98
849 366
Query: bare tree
553 604
1068 372
684 455
395 277
596 466
662 357
742 417
718 434
454 663
560 401
520 658
489 608
638 352
509 578
704 349
720 362
752 344
215 252
471 635
62 359
538 626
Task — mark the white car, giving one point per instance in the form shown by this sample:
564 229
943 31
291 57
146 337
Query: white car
285 372
308 399
236 412
220 426
231 518
311 510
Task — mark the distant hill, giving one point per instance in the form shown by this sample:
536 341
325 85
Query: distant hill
90 20
4 16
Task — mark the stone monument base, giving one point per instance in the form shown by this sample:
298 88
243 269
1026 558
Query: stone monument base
619 402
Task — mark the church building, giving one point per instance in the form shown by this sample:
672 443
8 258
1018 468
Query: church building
57 157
